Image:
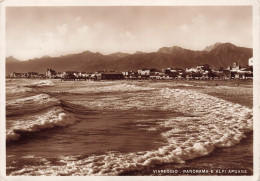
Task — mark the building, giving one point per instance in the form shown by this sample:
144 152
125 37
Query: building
192 69
112 76
59 75
250 61
130 75
133 75
32 74
199 68
50 73
16 75
125 73
218 70
70 74
96 75
83 74
238 72
144 72
155 77
234 67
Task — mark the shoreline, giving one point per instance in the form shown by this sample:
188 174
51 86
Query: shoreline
215 83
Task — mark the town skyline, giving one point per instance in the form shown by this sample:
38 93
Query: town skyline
198 72
54 31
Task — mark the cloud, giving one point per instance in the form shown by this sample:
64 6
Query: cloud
99 25
126 35
199 20
47 37
197 24
90 28
62 29
221 23
184 28
78 18
83 29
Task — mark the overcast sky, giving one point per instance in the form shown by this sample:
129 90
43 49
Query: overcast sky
37 31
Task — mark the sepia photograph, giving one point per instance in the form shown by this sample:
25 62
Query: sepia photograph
129 91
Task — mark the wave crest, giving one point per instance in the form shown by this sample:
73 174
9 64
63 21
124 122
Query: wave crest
110 88
214 123
51 119
30 104
44 83
15 90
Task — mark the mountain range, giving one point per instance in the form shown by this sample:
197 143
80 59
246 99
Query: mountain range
217 55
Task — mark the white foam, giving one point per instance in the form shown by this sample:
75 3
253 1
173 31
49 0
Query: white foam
50 119
43 83
13 90
37 99
110 88
213 123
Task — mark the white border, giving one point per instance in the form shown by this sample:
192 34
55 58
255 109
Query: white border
2 92
128 2
256 83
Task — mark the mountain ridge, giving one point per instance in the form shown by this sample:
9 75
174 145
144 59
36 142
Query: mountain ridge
217 55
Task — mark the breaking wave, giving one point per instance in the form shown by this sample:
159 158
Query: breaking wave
110 88
43 83
18 89
52 118
214 123
30 104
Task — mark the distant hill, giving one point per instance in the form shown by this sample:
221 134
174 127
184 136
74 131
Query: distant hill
139 52
217 55
211 47
119 54
11 59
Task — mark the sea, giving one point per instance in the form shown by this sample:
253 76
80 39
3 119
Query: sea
82 128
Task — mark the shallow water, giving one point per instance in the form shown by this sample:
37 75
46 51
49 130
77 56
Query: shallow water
110 128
